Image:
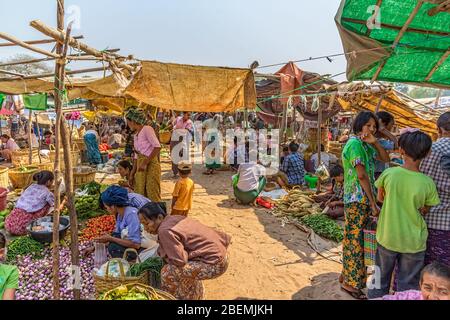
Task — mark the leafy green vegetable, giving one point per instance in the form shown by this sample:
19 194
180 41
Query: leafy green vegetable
324 226
23 246
153 265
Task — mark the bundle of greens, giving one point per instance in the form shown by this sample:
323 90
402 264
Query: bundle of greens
24 246
324 227
153 265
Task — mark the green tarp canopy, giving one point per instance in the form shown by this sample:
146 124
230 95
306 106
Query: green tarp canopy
397 40
37 102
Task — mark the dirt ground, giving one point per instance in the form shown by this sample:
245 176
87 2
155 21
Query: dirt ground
268 260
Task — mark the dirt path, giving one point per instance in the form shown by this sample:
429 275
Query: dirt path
267 260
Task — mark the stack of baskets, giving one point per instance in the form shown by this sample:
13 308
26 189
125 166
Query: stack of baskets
21 179
106 283
83 175
4 177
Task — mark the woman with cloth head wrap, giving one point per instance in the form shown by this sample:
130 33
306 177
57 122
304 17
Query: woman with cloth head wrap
128 227
146 174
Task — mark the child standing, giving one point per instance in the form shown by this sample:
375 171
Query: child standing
407 196
183 192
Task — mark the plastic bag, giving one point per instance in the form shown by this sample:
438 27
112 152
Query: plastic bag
100 255
114 268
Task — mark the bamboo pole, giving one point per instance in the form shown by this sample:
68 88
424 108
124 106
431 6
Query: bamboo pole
58 110
39 138
27 46
30 145
399 36
319 144
60 37
11 73
45 41
47 75
68 174
437 65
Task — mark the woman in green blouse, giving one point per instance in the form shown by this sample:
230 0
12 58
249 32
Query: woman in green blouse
358 157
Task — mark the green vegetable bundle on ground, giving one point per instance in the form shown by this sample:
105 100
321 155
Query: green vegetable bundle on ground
24 246
324 227
153 265
92 188
87 207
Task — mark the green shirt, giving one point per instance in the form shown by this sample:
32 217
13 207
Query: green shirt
356 152
401 227
9 278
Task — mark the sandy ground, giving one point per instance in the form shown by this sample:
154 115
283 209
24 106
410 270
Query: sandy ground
268 260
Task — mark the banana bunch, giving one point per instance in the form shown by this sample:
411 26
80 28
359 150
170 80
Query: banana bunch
297 203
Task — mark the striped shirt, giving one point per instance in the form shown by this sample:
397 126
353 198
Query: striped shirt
433 166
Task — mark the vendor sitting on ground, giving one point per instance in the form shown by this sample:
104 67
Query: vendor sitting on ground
193 252
34 203
335 203
9 275
183 191
115 140
249 181
124 168
326 158
293 168
127 233
9 146
434 285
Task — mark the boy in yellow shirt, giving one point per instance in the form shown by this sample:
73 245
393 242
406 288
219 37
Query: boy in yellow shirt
183 192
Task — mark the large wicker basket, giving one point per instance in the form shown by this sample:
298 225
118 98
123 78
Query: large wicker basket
83 175
80 144
75 155
165 137
4 177
22 157
143 288
44 166
22 179
107 283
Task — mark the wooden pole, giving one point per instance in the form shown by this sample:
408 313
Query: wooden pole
68 174
36 42
47 75
58 110
30 120
59 36
38 136
27 46
379 104
319 144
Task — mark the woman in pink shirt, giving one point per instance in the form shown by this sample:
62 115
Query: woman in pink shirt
146 174
182 128
9 145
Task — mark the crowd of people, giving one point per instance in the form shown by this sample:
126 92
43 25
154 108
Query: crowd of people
408 199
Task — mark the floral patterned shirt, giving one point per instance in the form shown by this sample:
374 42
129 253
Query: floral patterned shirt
356 152
35 198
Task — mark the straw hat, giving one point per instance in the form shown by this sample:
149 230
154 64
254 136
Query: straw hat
184 166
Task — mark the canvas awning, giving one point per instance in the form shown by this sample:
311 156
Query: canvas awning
409 41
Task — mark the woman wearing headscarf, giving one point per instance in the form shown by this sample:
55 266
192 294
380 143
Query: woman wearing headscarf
127 233
92 140
193 252
146 174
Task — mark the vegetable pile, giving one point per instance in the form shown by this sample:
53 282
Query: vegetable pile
24 246
36 283
4 214
153 265
297 203
134 292
97 227
324 227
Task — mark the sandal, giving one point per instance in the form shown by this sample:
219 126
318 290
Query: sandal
359 295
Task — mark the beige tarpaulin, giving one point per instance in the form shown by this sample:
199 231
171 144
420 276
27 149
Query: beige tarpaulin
193 88
26 86
405 114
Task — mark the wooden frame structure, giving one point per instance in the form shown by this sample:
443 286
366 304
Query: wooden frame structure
116 64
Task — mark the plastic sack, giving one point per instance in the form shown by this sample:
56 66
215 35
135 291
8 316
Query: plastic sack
100 255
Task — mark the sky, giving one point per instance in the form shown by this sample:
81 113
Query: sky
230 33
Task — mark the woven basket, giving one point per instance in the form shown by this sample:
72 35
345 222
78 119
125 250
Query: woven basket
22 157
75 155
80 144
107 283
370 243
4 177
165 137
21 180
45 166
83 176
143 288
